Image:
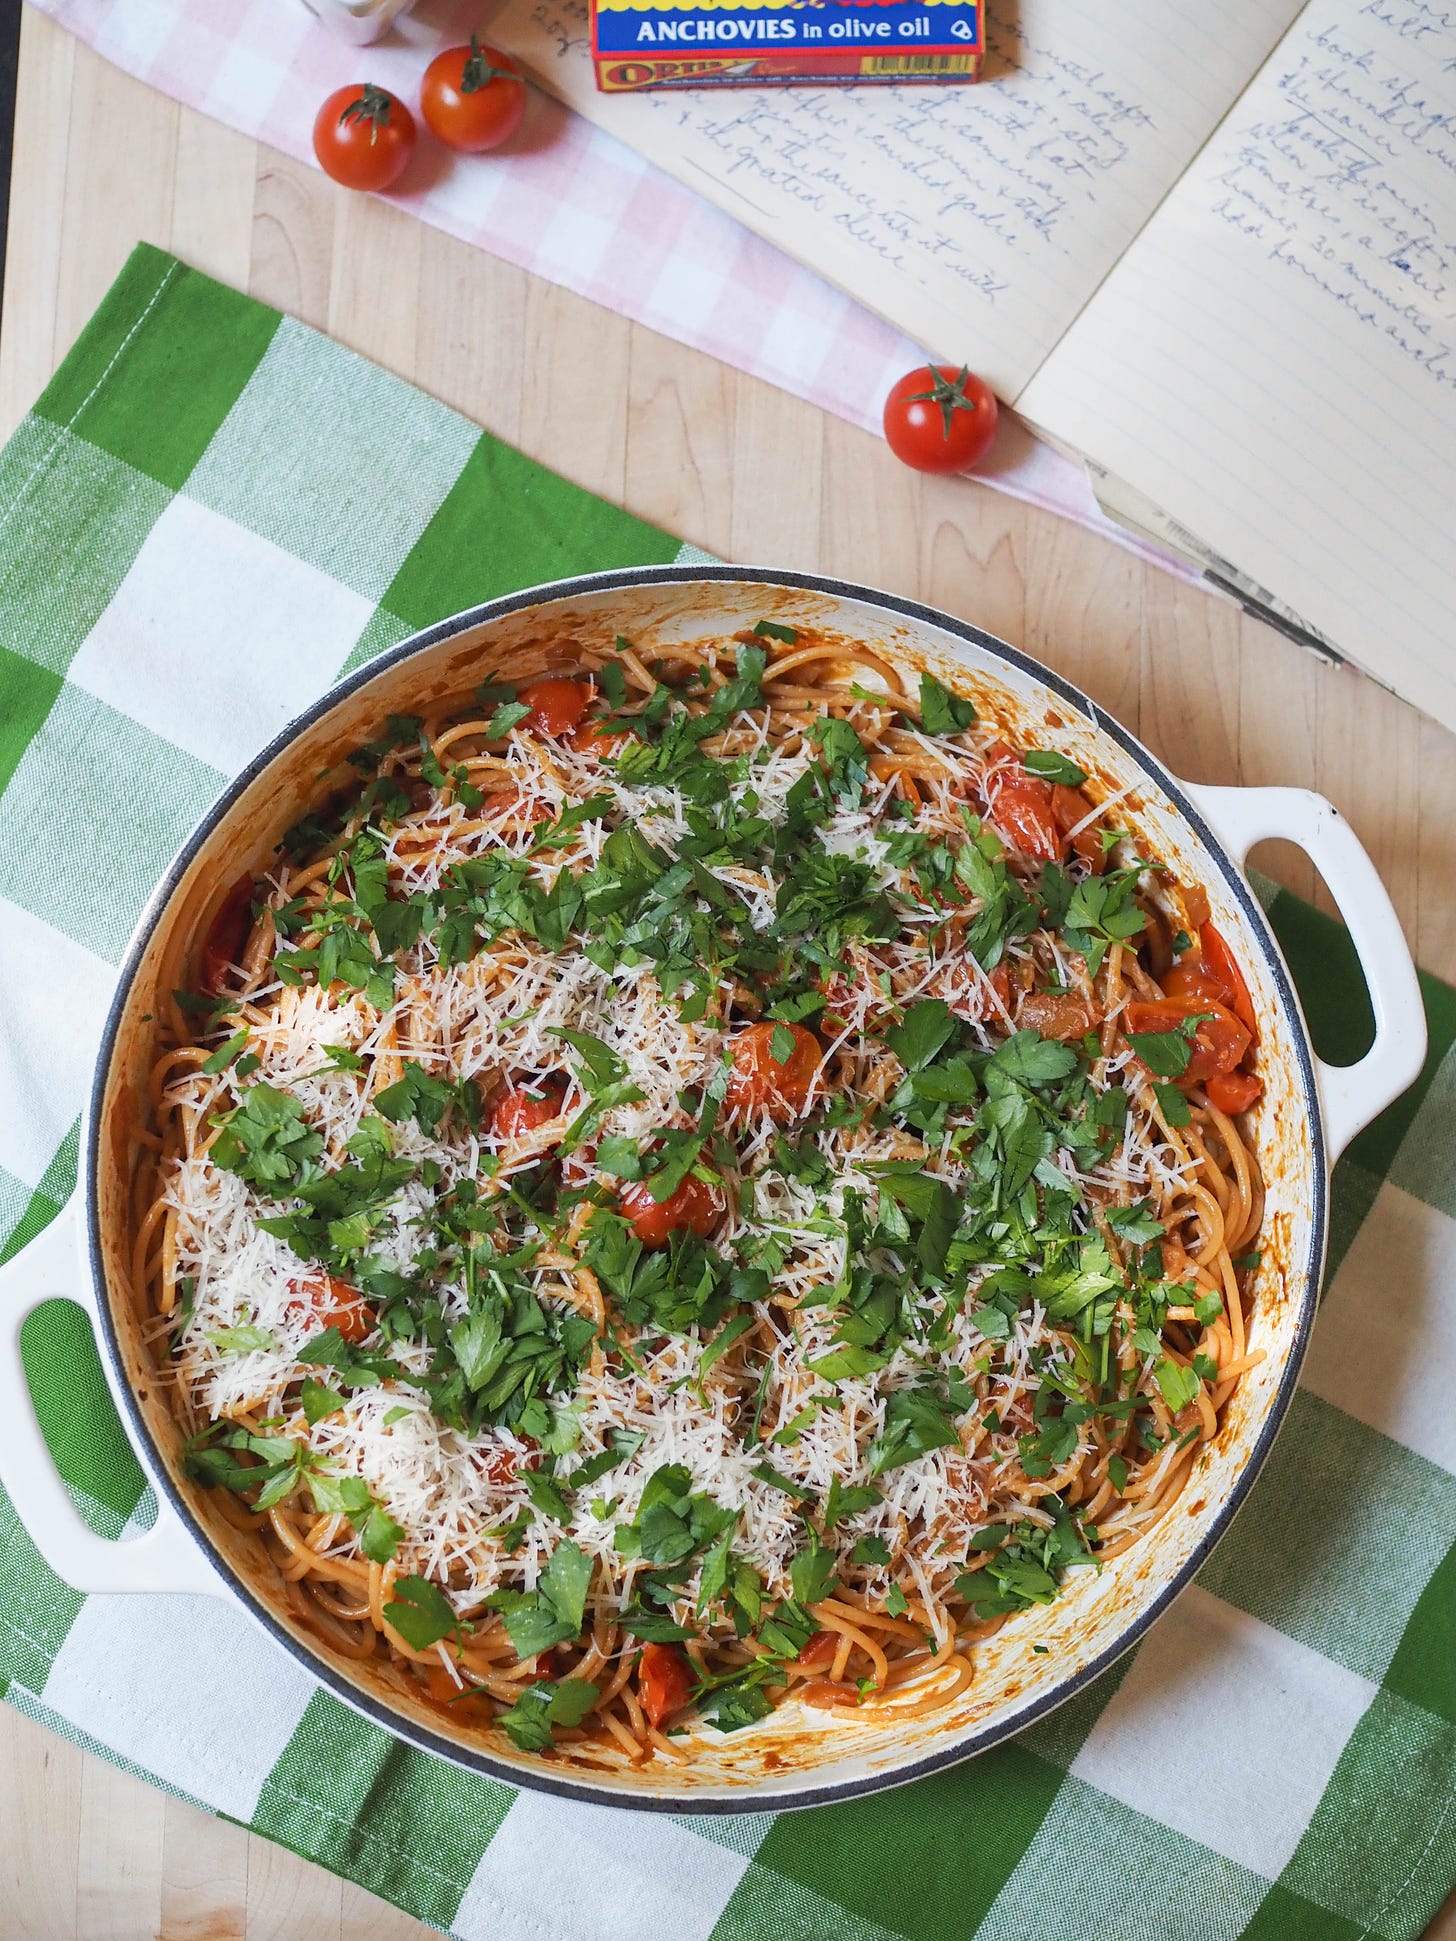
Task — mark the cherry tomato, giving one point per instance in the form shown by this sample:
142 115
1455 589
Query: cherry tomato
473 97
594 737
440 1684
694 1208
503 1465
819 1650
760 1083
664 1681
1219 1042
526 1108
364 137
940 419
510 806
1234 1092
461 1704
990 999
227 934
1192 979
557 704
825 1696
1056 1014
1021 811
336 1304
1211 975
1223 965
1070 807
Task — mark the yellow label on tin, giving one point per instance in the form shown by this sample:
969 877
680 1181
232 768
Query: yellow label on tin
919 64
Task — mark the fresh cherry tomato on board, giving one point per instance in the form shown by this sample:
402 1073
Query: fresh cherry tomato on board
557 704
227 935
1219 1041
473 97
336 1304
760 1081
526 1108
664 1680
364 137
694 1208
940 419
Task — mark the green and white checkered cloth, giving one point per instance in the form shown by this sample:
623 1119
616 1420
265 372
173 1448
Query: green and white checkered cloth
210 514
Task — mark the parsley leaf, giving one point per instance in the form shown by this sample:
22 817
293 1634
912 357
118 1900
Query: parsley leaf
531 1721
266 1140
555 1611
318 1400
1052 767
422 1614
925 1030
1175 1108
811 1573
941 712
1166 1053
1178 1385
917 1420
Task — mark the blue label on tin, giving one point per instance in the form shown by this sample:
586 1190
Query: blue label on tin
887 27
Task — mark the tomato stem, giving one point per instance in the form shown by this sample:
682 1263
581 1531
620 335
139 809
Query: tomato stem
374 106
478 72
948 393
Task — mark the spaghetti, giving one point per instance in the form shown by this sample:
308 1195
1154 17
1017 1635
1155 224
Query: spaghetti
697 1183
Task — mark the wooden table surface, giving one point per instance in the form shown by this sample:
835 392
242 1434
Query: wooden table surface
87 1853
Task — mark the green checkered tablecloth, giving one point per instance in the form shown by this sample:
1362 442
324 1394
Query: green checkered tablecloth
210 514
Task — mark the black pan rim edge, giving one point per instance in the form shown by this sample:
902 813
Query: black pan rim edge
542 1778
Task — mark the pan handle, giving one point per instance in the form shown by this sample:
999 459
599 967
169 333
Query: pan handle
1352 1095
167 1557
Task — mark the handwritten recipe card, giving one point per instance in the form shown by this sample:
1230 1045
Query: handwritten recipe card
1212 249
1274 359
979 220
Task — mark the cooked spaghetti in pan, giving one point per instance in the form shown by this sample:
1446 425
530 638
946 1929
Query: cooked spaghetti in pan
696 1185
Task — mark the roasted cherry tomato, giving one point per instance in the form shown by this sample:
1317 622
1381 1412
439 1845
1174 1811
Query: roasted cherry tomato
760 1082
336 1304
940 419
1056 1014
526 1108
819 1650
557 704
1223 965
473 97
461 1703
1070 809
510 806
694 1208
503 1465
227 934
1219 1042
594 737
364 137
1234 1092
1020 808
1191 979
664 1682
1210 972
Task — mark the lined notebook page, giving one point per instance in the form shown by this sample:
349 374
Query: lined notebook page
1274 361
978 219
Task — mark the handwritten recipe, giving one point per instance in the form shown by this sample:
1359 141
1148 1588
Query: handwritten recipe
980 219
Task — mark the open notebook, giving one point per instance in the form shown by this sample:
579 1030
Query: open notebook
1211 249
